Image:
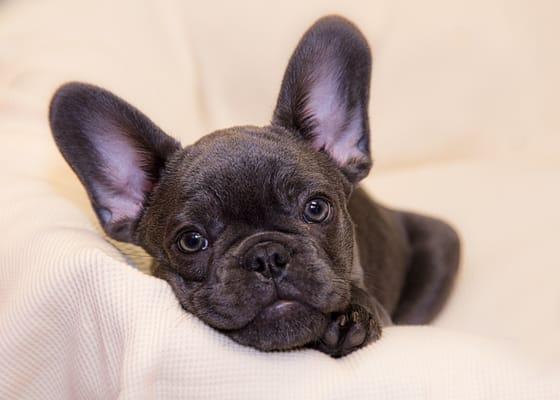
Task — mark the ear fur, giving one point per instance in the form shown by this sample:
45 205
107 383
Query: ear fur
115 150
325 94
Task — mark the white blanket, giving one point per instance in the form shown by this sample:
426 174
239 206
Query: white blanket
79 321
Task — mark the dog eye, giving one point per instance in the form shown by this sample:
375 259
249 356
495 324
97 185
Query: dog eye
191 242
316 210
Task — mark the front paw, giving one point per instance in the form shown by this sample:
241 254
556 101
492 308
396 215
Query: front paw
349 331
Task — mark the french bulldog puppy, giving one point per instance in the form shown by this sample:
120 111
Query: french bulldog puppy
262 232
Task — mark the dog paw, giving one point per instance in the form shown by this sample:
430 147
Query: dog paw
349 331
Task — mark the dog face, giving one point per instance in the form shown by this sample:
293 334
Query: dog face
249 225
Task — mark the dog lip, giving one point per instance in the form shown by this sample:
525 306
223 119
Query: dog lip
280 308
280 304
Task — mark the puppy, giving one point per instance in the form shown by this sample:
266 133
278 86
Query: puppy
262 232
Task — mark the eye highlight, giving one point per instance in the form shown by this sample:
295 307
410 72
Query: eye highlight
191 242
316 210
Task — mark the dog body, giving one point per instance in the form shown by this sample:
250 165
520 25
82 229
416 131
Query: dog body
262 232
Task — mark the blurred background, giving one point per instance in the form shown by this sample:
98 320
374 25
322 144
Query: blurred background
452 79
464 107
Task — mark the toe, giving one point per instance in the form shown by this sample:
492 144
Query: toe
355 336
331 335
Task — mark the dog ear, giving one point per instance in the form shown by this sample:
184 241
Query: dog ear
116 151
325 93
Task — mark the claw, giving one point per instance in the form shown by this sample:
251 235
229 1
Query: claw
342 319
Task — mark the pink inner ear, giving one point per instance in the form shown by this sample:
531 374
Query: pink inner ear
126 182
336 131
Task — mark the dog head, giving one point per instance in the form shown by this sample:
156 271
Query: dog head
249 225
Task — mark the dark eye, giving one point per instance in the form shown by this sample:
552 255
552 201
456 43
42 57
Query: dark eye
191 242
316 210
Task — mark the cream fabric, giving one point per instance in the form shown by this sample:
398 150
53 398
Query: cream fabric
465 127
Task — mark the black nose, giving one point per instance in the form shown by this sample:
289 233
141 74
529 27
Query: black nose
267 258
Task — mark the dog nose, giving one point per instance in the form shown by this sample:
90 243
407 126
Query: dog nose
268 259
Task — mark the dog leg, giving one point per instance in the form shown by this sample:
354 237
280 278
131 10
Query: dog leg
433 266
355 327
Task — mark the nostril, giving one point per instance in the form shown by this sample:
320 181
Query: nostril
267 258
260 264
256 264
279 259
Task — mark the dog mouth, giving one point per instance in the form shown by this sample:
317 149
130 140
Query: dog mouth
280 309
281 325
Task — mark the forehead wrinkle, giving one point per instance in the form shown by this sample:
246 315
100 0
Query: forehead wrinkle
247 192
243 175
249 186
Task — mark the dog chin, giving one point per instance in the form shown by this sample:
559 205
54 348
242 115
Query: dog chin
282 325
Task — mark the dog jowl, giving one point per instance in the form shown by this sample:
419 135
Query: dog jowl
262 232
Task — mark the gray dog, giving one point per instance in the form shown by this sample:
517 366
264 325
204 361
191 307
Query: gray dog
261 231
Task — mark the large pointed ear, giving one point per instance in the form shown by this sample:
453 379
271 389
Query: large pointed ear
116 151
325 93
